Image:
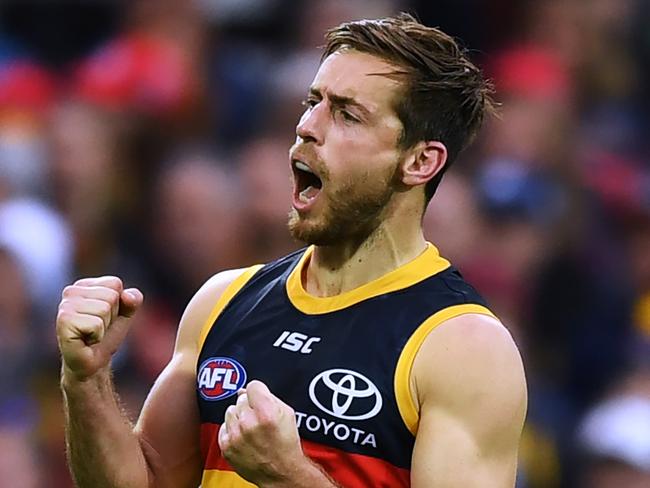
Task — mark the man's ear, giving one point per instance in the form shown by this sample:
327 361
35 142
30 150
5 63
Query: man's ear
426 160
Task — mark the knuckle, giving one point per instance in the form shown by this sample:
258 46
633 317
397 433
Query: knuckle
265 421
105 308
115 283
68 306
68 291
234 438
230 411
245 422
223 438
113 296
248 429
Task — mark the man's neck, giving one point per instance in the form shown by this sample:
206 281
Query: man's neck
333 270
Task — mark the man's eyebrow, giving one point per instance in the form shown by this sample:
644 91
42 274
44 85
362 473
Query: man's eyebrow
342 101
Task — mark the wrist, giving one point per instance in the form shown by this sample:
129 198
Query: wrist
73 382
302 473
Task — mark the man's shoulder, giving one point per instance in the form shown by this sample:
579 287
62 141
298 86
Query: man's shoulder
216 285
219 289
203 302
469 357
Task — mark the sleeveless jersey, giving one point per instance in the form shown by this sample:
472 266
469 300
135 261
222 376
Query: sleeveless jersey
342 362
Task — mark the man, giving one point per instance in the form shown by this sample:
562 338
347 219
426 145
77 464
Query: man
373 363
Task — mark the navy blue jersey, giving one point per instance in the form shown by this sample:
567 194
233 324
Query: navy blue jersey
343 362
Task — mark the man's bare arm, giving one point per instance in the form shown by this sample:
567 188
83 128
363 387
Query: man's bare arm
104 448
469 384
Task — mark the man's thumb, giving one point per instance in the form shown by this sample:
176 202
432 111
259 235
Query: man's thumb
130 301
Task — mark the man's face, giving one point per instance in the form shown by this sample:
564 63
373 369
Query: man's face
345 162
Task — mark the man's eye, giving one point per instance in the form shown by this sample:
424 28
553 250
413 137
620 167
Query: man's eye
309 103
348 117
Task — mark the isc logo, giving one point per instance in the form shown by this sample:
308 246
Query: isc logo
295 341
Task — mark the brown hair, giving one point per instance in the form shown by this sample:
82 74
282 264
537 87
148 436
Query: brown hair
445 96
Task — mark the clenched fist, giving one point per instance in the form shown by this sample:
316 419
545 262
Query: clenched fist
259 437
92 322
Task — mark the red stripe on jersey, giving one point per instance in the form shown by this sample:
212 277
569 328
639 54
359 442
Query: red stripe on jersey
356 470
212 458
349 469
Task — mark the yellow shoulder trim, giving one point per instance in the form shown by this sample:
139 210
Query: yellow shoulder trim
216 478
230 291
402 384
425 265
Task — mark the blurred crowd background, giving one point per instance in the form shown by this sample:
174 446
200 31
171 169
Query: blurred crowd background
149 139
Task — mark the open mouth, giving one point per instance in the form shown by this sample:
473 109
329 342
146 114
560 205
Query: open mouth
307 183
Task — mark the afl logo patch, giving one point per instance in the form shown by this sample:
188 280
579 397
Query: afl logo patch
220 378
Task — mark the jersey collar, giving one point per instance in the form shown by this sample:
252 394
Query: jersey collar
425 265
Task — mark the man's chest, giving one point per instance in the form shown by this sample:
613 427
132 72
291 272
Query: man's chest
336 371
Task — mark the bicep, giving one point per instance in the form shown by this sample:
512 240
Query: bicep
449 454
472 397
169 426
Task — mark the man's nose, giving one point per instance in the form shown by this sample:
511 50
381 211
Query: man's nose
310 127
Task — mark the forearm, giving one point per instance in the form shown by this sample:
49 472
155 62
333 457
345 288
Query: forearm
103 451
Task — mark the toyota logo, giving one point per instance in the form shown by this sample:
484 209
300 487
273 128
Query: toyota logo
345 394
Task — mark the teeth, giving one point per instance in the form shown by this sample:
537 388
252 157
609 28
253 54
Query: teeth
302 166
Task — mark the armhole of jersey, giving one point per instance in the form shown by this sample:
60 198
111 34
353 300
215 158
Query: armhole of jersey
405 403
227 295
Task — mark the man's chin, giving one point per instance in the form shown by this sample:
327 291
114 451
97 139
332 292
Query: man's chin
311 233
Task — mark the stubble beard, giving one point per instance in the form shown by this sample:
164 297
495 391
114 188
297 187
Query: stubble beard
352 213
